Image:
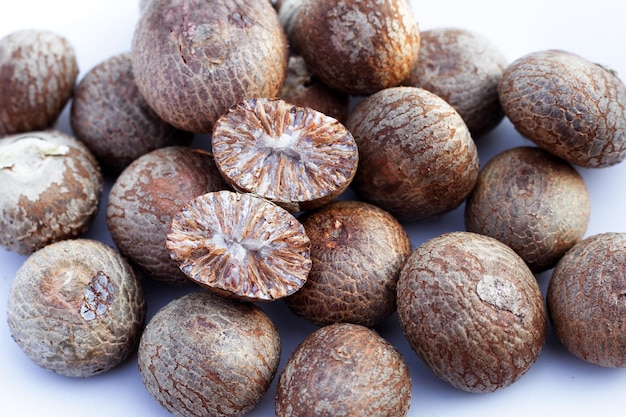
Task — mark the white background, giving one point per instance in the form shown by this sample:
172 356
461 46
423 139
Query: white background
558 384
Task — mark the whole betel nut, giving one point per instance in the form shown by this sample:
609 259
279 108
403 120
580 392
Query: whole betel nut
344 369
417 158
145 197
240 246
568 105
297 157
204 355
51 189
463 68
472 311
193 59
112 118
357 251
38 69
532 201
354 47
585 300
76 308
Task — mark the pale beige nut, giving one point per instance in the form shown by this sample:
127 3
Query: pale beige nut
76 308
145 197
240 245
193 59
38 69
112 118
568 105
343 370
354 47
472 311
203 355
51 189
535 203
585 300
417 158
462 67
357 252
297 157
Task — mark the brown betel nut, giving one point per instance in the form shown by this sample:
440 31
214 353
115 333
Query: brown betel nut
344 369
462 67
145 197
193 59
472 311
417 158
354 47
112 118
357 251
532 201
296 157
568 105
76 308
38 69
204 355
585 300
51 189
240 245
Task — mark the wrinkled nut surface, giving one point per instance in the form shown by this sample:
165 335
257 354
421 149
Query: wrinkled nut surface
38 69
194 59
571 107
357 251
240 245
76 308
51 189
472 311
462 67
585 300
204 355
295 156
145 197
417 158
112 118
344 370
354 47
535 203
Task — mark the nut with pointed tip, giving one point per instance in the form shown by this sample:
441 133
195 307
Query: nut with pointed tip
294 156
240 245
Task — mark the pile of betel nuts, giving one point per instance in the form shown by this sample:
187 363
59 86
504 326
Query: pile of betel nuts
302 101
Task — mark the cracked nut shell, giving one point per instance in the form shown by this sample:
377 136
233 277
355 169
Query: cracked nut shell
76 308
472 311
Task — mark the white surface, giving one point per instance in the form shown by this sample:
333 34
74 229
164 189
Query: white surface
558 384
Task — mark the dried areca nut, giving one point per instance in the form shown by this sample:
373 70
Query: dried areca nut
535 203
568 105
204 355
463 68
354 47
76 308
240 245
417 157
145 197
344 369
585 300
112 118
303 88
193 59
357 252
294 156
472 311
38 69
51 189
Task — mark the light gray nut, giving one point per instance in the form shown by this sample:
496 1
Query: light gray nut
76 308
51 189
